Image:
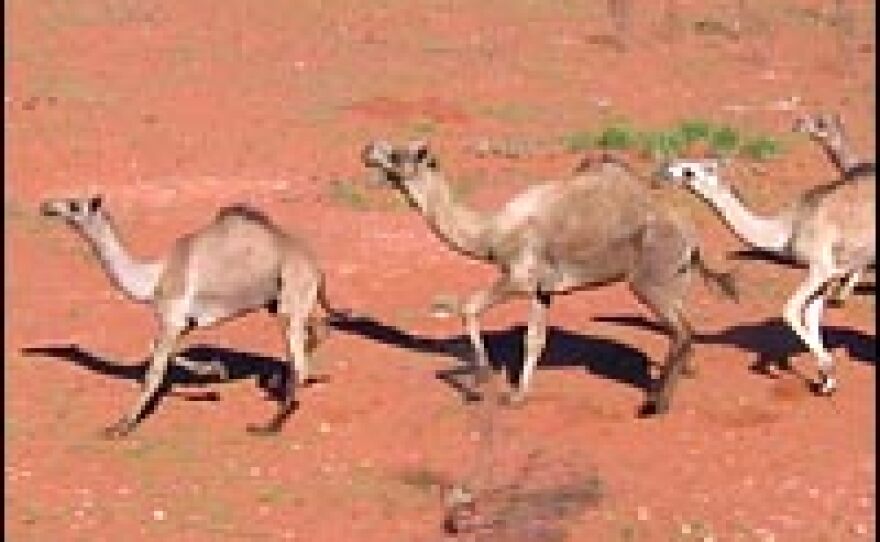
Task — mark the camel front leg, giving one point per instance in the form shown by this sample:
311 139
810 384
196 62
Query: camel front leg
477 304
535 340
812 321
843 289
795 312
155 375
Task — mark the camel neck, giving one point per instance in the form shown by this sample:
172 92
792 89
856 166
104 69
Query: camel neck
840 153
458 225
764 232
135 278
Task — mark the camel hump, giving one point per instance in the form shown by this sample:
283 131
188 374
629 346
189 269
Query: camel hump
245 212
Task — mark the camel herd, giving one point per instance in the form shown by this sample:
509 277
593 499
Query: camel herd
599 226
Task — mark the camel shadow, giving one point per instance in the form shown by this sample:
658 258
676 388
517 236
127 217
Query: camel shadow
238 366
602 357
771 340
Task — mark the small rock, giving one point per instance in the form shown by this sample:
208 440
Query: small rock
254 471
642 513
686 528
813 493
860 529
324 428
159 515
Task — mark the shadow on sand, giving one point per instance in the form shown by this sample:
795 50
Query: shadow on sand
771 340
602 357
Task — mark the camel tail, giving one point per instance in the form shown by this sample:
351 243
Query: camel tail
725 281
331 312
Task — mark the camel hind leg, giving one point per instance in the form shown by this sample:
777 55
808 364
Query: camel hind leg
667 308
298 298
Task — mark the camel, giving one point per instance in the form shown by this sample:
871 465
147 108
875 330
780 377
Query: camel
556 238
828 131
238 263
829 228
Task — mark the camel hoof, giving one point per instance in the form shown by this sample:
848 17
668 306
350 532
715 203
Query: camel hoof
515 399
654 407
826 386
472 396
118 430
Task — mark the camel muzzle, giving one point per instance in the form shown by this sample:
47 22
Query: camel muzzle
48 210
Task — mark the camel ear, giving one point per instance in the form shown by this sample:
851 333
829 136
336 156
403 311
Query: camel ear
95 202
419 150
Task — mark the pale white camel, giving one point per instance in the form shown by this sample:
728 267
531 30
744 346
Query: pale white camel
830 229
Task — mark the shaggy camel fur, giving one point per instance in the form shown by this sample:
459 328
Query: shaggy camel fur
828 131
238 263
830 228
593 229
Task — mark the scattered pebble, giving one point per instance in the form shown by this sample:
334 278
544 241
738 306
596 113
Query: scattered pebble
686 528
860 529
765 535
323 428
642 513
159 515
79 513
254 471
813 493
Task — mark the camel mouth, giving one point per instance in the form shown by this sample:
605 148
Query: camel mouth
49 211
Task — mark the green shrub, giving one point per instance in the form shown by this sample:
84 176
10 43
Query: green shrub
618 137
761 148
724 140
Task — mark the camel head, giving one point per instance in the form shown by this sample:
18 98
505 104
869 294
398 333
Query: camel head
75 211
399 163
695 174
821 126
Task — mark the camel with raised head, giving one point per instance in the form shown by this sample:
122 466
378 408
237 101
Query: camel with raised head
827 129
829 228
239 262
593 229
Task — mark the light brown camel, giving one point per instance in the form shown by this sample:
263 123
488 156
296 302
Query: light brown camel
827 129
238 263
830 228
555 238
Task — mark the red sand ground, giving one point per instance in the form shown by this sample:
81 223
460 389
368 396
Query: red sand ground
173 109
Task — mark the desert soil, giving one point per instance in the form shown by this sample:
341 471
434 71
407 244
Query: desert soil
174 109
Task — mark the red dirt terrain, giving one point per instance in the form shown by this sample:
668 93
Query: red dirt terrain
175 109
